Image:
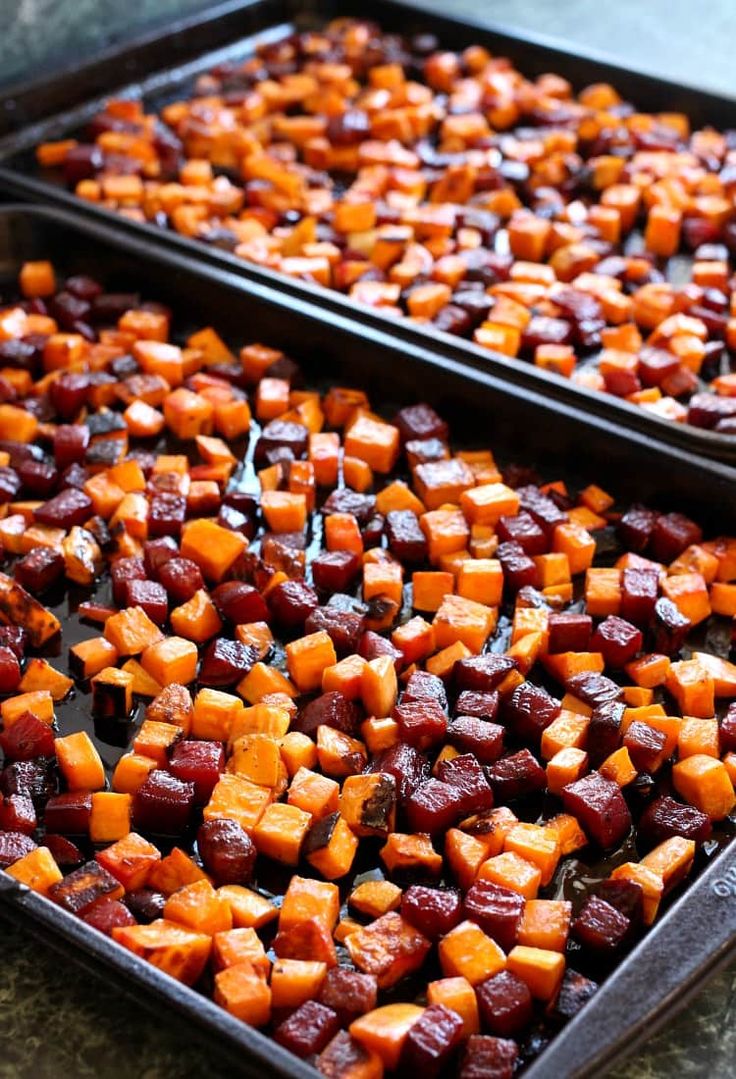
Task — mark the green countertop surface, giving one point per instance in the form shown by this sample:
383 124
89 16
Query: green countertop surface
55 1018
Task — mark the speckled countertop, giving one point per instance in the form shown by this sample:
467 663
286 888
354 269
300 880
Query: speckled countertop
58 1020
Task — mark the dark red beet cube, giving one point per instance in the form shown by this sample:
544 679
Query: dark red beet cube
167 515
655 365
122 572
308 1029
373 645
481 705
280 435
335 571
225 662
600 926
645 745
420 422
84 887
600 807
421 723
431 1041
9 669
639 591
151 597
636 526
433 807
617 640
594 689
227 851
35 778
39 570
482 673
497 910
569 632
291 602
343 1056
575 992
69 813
477 736
406 764
240 603
727 730
505 1004
14 845
486 1057
107 915
71 507
66 854
525 531
529 710
70 444
604 731
69 393
515 776
518 568
672 533
405 538
423 686
163 804
39 478
627 896
345 628
433 911
146 905
181 578
349 993
330 710
200 763
465 773
343 500
664 818
18 814
158 551
670 627
15 638
542 508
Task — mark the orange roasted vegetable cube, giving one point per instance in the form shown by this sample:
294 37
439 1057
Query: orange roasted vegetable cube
130 860
200 908
389 948
384 1030
542 970
80 763
37 870
308 657
373 441
242 992
704 782
281 831
467 952
174 949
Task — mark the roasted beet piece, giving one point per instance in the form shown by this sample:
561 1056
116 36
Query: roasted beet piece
66 854
465 773
543 510
240 603
524 531
575 992
569 632
123 571
331 710
372 645
472 703
433 807
158 551
70 444
200 763
225 662
348 993
83 887
228 852
600 807
496 910
515 776
146 905
477 736
281 435
529 710
423 686
335 571
617 640
422 723
15 638
39 478
18 814
69 393
639 590
28 738
665 818
626 896
107 915
599 926
505 1004
482 673
181 578
408 767
672 533
431 1041
151 597
291 602
14 845
345 628
433 911
636 526
35 778
670 627
71 507
39 570
344 1056
405 538
9 669
645 745
163 804
727 730
486 1057
9 484
518 568
594 689
604 731
166 516
69 812
420 422
343 500
308 1029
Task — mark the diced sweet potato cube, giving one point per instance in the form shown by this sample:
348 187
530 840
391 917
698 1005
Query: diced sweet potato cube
542 970
177 951
384 1030
389 947
467 952
242 992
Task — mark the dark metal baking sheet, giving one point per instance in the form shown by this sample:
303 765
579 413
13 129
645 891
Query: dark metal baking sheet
193 45
698 932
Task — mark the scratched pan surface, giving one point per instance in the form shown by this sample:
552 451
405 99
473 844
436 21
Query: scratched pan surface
698 930
163 67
